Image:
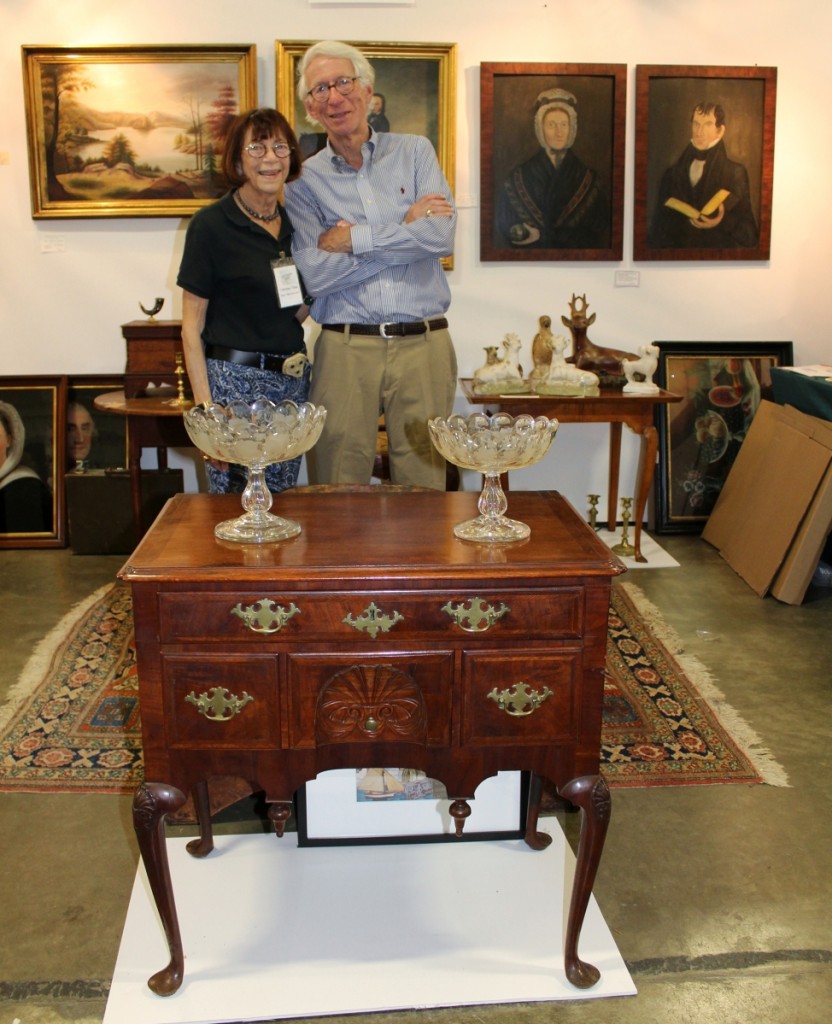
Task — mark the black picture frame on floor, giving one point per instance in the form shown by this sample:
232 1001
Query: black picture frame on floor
329 812
32 454
721 384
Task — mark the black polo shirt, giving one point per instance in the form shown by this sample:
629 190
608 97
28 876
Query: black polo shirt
228 260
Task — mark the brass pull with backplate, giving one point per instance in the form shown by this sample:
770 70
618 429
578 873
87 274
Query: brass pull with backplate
218 705
519 700
479 615
265 616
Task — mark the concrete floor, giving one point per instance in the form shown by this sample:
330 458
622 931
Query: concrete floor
719 897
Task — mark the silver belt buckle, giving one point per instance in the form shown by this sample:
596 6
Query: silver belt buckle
382 330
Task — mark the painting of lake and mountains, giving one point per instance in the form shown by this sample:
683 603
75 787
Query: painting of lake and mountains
125 136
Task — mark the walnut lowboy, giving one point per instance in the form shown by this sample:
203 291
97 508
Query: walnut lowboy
375 637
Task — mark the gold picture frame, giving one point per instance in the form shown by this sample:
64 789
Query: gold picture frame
418 81
153 146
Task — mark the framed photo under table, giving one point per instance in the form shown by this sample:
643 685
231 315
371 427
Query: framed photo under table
32 446
393 805
721 384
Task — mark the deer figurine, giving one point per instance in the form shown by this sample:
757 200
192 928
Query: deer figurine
606 362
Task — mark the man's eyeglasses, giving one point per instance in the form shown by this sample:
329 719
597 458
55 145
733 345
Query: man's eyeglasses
320 93
259 149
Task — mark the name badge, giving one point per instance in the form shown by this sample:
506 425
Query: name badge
287 281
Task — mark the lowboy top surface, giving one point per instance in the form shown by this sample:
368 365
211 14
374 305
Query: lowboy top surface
388 535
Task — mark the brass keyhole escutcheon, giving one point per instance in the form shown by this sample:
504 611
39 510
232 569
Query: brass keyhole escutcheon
373 620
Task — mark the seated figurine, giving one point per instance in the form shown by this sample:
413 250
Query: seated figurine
506 374
564 378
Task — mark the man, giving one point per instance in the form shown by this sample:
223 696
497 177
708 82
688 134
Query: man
80 434
373 217
704 198
553 200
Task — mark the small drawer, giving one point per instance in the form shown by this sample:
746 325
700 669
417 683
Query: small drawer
332 698
523 699
220 705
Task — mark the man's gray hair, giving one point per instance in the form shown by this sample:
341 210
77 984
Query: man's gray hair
362 68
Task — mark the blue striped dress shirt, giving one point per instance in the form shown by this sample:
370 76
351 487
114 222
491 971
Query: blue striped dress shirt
394 271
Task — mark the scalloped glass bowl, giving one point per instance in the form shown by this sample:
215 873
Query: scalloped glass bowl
492 445
255 435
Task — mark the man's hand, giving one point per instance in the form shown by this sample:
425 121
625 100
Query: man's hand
704 223
433 205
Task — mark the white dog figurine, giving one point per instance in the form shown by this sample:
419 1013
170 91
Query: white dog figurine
643 368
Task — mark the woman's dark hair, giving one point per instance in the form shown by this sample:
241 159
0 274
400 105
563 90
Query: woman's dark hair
265 123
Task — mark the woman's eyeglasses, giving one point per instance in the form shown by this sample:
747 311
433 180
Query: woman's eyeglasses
259 149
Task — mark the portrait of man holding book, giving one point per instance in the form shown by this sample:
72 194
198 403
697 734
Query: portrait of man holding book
704 199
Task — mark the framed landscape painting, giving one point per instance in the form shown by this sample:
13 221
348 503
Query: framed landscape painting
32 436
131 131
704 162
552 161
721 384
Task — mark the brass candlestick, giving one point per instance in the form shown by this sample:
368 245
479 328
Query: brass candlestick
592 514
624 547
181 400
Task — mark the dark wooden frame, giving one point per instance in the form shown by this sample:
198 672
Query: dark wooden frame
696 450
665 99
168 194
507 95
41 400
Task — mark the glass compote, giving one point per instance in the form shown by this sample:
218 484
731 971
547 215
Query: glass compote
493 445
255 435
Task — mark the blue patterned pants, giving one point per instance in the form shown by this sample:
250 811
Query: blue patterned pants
231 381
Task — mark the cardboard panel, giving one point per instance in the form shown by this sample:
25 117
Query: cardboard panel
772 485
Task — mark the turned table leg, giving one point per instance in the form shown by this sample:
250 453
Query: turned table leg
151 802
591 794
202 846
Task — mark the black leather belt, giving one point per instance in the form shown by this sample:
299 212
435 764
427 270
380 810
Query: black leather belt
263 360
391 330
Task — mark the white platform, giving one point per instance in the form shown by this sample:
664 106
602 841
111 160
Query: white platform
657 557
274 931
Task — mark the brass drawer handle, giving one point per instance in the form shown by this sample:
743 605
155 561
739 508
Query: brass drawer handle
519 700
265 616
218 705
373 620
479 615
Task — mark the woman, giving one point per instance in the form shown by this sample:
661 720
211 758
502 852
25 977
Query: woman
241 319
553 200
25 500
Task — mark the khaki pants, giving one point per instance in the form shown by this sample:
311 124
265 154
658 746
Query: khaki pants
358 377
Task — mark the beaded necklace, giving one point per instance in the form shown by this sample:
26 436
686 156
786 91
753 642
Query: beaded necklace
267 217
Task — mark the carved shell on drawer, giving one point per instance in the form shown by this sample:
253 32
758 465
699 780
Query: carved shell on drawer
370 702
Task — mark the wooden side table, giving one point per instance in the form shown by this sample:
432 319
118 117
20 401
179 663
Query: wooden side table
151 423
611 406
375 637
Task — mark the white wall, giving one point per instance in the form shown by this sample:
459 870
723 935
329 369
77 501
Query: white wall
60 312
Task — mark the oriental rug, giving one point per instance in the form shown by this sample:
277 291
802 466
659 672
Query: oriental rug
72 724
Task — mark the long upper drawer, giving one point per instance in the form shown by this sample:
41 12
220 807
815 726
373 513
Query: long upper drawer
365 615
